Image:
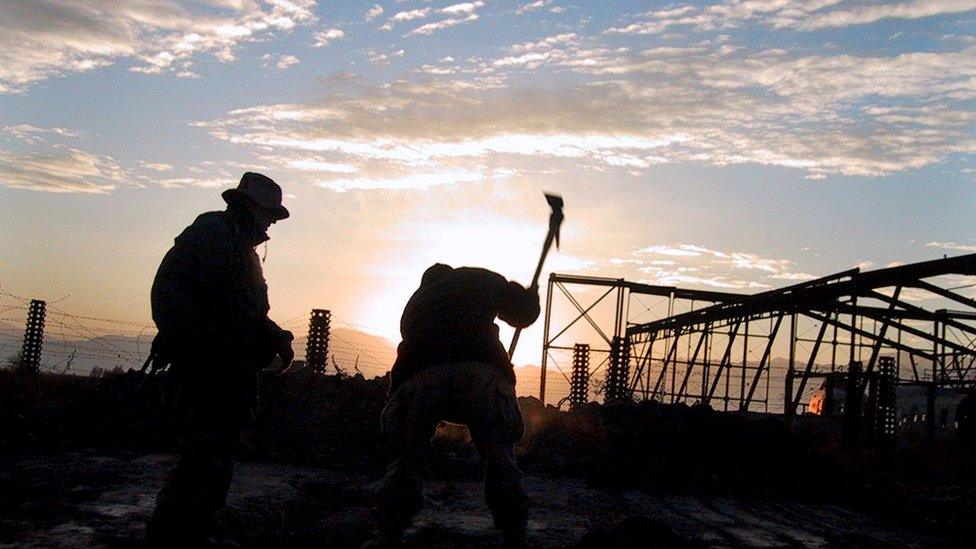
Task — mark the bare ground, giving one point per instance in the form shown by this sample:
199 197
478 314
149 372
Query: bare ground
91 498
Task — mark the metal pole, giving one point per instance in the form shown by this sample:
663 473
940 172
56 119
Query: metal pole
790 370
545 343
745 362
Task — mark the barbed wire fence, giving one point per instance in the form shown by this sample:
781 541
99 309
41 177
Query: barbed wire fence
72 338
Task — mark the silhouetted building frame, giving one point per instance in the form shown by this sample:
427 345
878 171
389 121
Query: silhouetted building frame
854 315
721 350
556 338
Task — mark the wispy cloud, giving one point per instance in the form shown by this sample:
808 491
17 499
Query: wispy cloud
374 12
279 62
416 181
869 13
408 15
156 166
61 170
796 14
382 59
704 104
969 248
30 133
458 14
314 165
431 28
694 265
286 61
532 6
466 8
44 39
326 37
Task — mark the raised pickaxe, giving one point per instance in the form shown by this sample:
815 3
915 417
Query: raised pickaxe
555 221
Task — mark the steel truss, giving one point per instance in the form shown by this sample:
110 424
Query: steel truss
728 348
605 333
725 352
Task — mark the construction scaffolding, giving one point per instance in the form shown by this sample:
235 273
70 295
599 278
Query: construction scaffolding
761 352
628 306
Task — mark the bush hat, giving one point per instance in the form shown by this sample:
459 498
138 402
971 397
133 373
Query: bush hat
261 190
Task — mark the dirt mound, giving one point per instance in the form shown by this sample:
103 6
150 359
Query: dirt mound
677 448
334 422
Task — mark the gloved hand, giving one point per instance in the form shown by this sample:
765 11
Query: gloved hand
285 352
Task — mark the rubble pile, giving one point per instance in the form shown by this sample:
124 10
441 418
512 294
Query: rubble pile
324 420
678 448
333 421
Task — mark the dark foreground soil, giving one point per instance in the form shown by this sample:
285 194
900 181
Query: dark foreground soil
85 498
81 460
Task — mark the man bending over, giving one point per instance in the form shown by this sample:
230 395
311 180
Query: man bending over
451 366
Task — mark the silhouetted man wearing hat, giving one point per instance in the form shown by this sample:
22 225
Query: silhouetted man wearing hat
210 304
451 366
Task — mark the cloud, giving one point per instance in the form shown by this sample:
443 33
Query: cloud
466 8
382 59
810 95
796 14
458 14
312 165
694 265
287 61
156 166
416 181
823 115
860 15
61 170
532 6
409 15
431 28
279 62
31 134
41 39
374 12
327 37
195 182
969 248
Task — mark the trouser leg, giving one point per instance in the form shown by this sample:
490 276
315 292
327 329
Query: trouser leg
400 494
196 488
399 497
504 493
495 430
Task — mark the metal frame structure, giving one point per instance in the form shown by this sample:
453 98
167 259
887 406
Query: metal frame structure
763 352
623 292
851 313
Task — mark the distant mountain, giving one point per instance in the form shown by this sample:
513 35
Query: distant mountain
527 381
351 349
11 338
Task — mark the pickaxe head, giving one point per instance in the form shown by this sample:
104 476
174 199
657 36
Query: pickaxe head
556 218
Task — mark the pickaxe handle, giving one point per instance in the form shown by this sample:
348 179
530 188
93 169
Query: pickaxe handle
553 230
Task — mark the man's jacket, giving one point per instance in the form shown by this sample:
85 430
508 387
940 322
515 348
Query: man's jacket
451 319
209 297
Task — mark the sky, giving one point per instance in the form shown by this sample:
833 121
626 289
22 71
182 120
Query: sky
736 145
